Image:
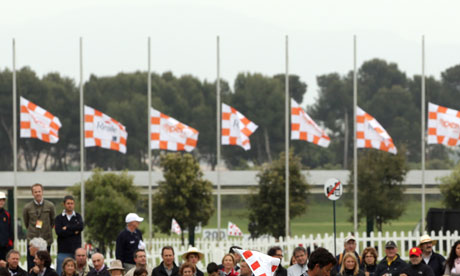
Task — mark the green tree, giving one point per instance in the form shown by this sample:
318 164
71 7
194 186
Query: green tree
380 193
450 189
267 207
109 197
184 195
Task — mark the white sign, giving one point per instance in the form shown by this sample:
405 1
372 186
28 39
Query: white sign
333 189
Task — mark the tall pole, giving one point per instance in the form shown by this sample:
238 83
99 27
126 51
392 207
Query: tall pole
15 149
218 139
149 150
355 148
286 135
423 135
82 130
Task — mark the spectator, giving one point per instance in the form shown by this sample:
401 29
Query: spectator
193 256
214 270
35 245
391 263
187 269
292 262
244 269
453 261
100 269
68 226
69 267
42 266
431 258
350 266
167 267
277 252
321 263
301 257
236 256
416 266
6 229
228 263
38 216
116 268
140 272
350 246
81 258
12 263
369 261
140 258
129 240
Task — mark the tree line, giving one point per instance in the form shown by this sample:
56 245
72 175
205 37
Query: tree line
384 91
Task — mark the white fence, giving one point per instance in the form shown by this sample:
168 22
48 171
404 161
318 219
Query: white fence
215 250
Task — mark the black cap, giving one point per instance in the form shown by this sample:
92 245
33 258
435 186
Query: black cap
391 244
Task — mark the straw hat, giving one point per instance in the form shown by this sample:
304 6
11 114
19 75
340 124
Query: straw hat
426 239
116 265
190 251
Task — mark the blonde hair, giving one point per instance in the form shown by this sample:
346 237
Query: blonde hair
231 255
345 257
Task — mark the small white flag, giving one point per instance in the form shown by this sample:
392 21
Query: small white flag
233 230
260 264
175 227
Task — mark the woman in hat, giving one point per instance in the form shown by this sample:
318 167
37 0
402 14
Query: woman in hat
193 256
116 268
369 258
453 261
350 266
228 264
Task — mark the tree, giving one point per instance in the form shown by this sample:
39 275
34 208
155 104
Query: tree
267 207
109 198
380 190
184 195
450 189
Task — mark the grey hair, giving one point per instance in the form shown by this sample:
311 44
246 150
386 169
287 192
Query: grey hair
38 243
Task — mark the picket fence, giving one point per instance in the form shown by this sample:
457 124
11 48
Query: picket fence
214 250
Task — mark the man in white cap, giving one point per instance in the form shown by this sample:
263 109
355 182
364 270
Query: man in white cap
193 256
129 240
6 229
432 259
350 246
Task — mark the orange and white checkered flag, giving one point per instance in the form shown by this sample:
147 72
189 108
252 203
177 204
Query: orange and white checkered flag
370 134
443 125
260 264
236 128
304 128
104 131
234 230
38 123
169 134
175 227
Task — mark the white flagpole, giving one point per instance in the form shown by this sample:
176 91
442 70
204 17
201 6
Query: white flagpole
82 130
149 150
355 148
286 134
15 149
218 140
423 135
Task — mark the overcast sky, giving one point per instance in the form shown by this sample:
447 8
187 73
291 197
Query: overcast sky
252 35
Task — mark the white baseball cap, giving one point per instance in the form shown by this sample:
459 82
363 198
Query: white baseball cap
133 217
2 195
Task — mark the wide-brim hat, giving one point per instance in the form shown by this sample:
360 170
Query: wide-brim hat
116 265
425 239
193 250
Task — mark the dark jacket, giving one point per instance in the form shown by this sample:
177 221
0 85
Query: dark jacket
18 272
436 263
6 229
420 269
369 268
395 267
46 213
70 239
127 243
48 272
103 272
161 271
199 272
347 272
280 271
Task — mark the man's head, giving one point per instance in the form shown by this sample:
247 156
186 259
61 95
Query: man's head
133 220
80 257
350 243
140 258
193 255
321 262
244 269
167 254
37 244
42 259
415 255
235 254
69 203
275 251
391 249
2 199
98 260
426 244
300 255
37 192
12 258
212 269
